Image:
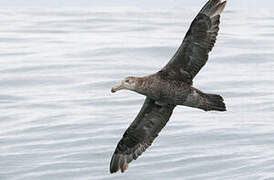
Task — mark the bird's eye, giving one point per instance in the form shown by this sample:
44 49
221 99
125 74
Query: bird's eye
127 81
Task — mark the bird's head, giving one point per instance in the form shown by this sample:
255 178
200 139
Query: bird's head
129 83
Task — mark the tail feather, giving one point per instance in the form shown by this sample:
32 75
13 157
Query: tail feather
214 102
207 102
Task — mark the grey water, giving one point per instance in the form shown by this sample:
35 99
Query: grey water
58 119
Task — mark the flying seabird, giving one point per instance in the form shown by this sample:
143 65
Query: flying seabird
171 86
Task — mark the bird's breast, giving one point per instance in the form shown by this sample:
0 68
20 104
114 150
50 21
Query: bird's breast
167 91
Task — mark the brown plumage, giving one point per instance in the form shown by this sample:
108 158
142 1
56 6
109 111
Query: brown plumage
140 134
171 86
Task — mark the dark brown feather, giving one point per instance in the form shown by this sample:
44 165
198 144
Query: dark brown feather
192 55
140 134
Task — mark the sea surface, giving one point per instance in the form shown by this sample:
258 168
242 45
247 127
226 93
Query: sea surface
59 121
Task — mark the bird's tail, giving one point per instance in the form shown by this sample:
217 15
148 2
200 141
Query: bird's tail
207 102
214 102
213 8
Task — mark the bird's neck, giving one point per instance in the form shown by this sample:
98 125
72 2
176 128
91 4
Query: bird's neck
143 86
139 86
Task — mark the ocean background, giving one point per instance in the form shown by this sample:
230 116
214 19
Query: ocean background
58 119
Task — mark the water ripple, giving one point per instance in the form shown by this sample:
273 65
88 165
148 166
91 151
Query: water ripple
59 120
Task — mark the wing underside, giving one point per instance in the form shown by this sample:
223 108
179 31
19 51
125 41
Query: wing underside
140 134
192 55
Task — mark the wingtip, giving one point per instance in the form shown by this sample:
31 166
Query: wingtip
221 7
213 8
118 163
114 164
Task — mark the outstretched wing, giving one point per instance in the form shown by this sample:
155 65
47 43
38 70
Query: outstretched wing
198 42
140 134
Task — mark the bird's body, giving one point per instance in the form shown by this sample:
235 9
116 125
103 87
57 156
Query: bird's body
165 90
171 86
168 91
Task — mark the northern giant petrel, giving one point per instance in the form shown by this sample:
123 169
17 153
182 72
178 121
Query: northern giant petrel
171 86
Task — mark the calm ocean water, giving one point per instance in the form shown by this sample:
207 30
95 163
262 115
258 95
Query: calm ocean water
58 119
